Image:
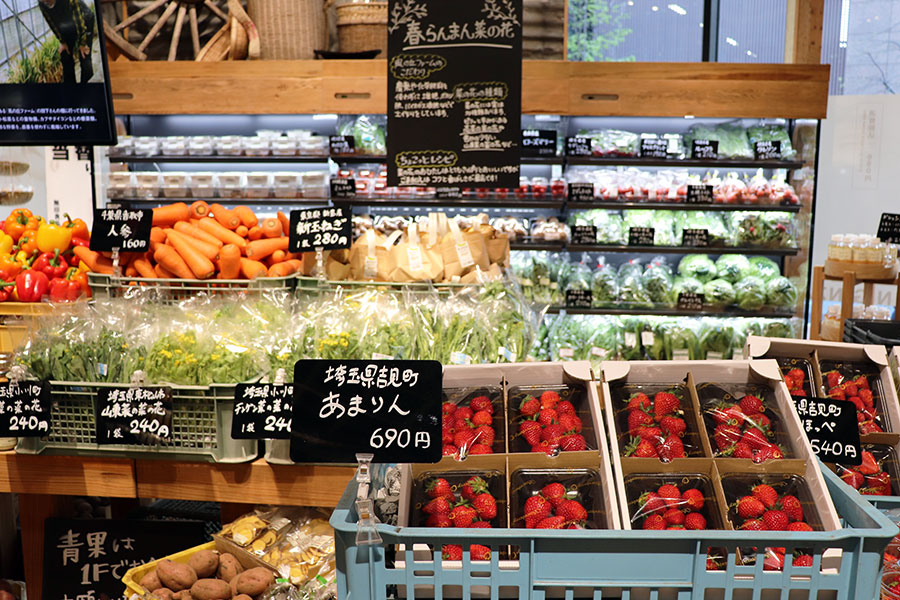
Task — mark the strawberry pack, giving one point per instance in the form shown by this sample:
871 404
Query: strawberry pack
557 499
472 422
876 475
550 419
673 501
798 376
860 386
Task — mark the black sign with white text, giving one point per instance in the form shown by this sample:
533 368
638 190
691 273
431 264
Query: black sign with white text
326 228
134 415
24 409
538 142
262 411
125 229
705 149
889 228
579 298
584 235
341 144
580 192
641 236
699 194
769 150
690 301
654 148
343 187
695 238
578 146
831 428
448 193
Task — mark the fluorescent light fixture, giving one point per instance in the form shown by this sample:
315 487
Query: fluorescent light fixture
731 41
845 21
630 2
688 116
677 9
654 8
325 117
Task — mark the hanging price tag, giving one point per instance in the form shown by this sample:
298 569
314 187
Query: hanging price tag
414 255
831 427
134 415
24 409
705 149
464 254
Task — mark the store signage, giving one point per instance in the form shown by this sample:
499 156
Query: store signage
343 187
448 193
454 93
24 409
45 104
690 301
127 229
537 143
705 149
578 146
695 238
390 408
579 298
831 427
889 228
769 150
262 411
341 144
654 148
584 235
581 192
699 194
87 558
134 415
641 236
320 228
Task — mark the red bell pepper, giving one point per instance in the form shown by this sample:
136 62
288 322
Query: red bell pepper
64 290
51 264
6 288
31 286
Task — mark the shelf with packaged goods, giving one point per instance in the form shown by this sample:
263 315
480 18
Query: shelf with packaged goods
623 249
616 205
673 312
218 158
492 202
723 163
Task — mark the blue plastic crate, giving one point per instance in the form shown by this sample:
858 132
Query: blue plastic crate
601 564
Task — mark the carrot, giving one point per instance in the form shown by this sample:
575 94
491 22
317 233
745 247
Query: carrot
247 216
225 217
168 215
163 273
93 260
130 271
199 209
260 249
278 256
254 233
227 236
251 269
200 265
285 223
229 262
283 269
271 228
171 261
144 268
210 251
196 232
242 230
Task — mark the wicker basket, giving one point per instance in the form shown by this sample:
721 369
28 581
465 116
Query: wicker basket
289 29
363 26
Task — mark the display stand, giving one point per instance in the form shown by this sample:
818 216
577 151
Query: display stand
849 280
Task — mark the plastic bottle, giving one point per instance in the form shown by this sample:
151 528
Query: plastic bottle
833 246
843 252
860 249
831 324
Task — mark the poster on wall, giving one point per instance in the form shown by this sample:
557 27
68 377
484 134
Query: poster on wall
454 93
54 80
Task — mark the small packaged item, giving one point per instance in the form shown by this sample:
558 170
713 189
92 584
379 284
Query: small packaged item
175 185
672 501
174 145
121 185
228 145
876 475
476 496
203 185
146 146
286 185
550 419
200 145
316 145
231 185
284 146
861 385
147 184
259 185
557 499
472 421
256 146
123 147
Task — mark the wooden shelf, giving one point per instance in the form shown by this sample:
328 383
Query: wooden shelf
66 475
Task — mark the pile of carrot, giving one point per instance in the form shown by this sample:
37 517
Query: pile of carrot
205 241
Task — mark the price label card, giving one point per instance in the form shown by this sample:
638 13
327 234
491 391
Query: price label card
391 408
262 411
327 228
699 194
343 187
578 146
705 149
579 298
341 144
448 193
690 301
24 409
695 238
581 192
538 142
654 148
889 228
134 415
769 150
641 236
584 235
125 229
831 427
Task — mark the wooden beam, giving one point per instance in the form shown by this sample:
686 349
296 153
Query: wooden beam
34 509
803 36
66 475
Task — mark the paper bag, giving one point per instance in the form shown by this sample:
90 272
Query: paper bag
414 261
462 252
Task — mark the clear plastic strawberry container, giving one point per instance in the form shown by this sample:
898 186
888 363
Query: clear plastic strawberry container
797 386
841 379
495 481
884 482
641 506
462 398
575 395
582 485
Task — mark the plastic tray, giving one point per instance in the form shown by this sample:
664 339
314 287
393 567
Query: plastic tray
174 290
201 426
851 370
638 483
578 396
888 458
587 484
463 396
496 481
863 331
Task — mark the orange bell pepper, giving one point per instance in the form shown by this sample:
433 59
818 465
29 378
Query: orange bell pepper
15 224
81 278
28 242
78 226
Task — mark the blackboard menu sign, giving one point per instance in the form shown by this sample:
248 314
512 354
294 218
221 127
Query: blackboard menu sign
134 415
343 187
448 193
454 74
578 146
580 192
579 298
341 144
831 427
24 409
695 238
584 235
262 411
538 142
326 228
654 148
705 149
641 236
889 228
690 301
699 194
768 150
391 408
87 558
125 229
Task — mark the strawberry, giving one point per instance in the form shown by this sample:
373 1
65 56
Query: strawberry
481 525
837 394
451 552
726 436
547 416
850 389
796 374
485 435
479 552
799 526
565 408
641 448
758 421
438 487
463 412
449 450
485 505
538 507
799 392
773 561
833 378
572 511
867 398
472 487
480 403
652 433
639 400
862 382
878 484
742 450
651 503
673 516
719 415
755 439
480 449
675 528
870 427
530 406
462 516
803 560
570 422
766 494
460 424
735 416
549 399
775 520
792 508
447 437
670 494
438 521
868 466
853 478
437 506
448 408
694 498
482 417
637 418
751 404
573 443
665 403
670 449
546 447
749 507
552 523
673 425
531 431
553 433
555 493
464 438
695 521
753 525
768 452
712 564
857 402
654 522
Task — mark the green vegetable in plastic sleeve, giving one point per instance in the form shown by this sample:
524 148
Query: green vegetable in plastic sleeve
781 292
658 281
604 286
732 267
780 328
606 339
631 287
662 222
698 266
717 231
772 133
766 230
716 340
690 285
679 339
764 267
733 140
368 134
630 348
718 292
750 293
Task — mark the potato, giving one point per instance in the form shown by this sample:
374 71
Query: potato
254 582
175 576
242 597
163 593
151 581
228 567
182 595
4 595
233 585
205 563
210 589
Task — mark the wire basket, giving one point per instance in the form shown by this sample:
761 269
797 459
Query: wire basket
175 290
362 26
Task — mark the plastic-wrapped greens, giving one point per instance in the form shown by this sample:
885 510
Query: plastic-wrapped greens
367 131
781 292
658 280
713 222
718 292
732 267
630 348
631 287
698 266
777 328
750 293
662 222
606 340
772 133
690 285
716 339
733 140
521 265
763 267
678 340
766 230
604 286
610 228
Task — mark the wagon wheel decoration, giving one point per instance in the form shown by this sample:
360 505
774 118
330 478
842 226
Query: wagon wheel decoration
185 9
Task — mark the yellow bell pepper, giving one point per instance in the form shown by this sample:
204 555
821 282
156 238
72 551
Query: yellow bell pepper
6 243
52 237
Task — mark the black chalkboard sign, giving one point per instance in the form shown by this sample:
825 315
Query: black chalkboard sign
454 93
343 187
391 408
262 411
641 236
87 558
889 228
341 144
448 193
690 301
327 228
699 194
705 149
580 192
538 142
654 148
579 298
831 427
695 238
134 415
125 229
24 409
584 235
768 150
578 146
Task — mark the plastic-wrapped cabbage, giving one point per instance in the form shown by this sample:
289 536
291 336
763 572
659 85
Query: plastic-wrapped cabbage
698 266
750 293
772 133
764 267
781 292
732 267
604 286
579 278
368 133
658 280
662 222
609 224
718 292
780 328
713 222
690 285
631 288
766 230
733 140
717 338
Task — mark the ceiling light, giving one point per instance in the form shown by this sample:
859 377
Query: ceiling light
731 41
630 2
654 8
677 9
